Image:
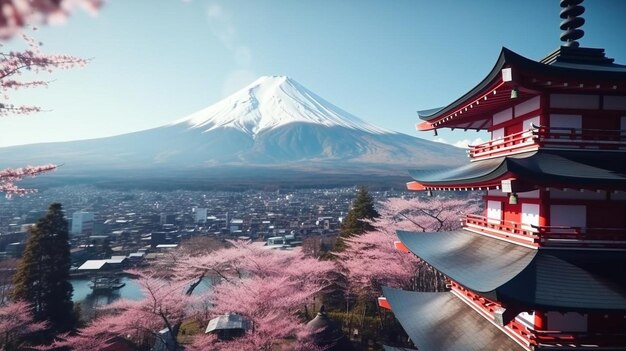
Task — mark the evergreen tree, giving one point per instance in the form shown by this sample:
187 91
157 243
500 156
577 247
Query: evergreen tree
42 277
353 224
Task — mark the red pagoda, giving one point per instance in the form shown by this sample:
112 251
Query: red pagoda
544 267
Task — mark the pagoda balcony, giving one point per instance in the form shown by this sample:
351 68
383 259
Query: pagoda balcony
531 235
533 338
550 138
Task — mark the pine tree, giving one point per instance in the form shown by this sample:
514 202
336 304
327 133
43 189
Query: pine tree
42 277
353 224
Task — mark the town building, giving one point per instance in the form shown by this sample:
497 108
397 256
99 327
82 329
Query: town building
82 223
201 214
543 267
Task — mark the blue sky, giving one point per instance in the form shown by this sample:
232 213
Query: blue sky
157 61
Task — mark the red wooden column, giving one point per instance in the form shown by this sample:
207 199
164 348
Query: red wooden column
544 208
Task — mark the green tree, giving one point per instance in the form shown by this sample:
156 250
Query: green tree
353 224
42 276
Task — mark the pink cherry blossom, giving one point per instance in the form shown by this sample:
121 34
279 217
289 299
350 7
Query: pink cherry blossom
16 323
15 14
9 176
371 260
12 66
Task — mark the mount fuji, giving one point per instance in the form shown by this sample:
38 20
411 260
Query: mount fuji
272 126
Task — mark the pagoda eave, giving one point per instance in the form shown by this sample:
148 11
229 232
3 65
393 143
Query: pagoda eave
564 169
441 321
513 274
528 78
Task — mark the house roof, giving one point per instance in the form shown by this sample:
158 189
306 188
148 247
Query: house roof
442 322
92 265
581 280
228 322
580 169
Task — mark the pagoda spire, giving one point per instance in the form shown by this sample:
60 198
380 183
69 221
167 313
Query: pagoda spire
570 13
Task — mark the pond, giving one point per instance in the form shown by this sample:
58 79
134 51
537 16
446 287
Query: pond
90 300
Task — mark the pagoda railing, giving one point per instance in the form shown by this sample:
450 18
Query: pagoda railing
502 228
591 340
551 338
547 235
512 143
540 136
581 236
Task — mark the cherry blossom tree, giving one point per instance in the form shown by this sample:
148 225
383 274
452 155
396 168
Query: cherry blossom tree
13 66
272 305
15 14
270 288
16 323
371 260
164 306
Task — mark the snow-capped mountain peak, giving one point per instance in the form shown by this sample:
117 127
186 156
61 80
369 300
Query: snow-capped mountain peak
274 101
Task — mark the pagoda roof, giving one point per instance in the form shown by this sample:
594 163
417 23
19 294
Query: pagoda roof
582 280
441 321
570 65
557 168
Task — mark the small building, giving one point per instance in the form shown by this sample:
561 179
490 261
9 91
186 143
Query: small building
82 223
136 256
15 249
228 326
235 225
158 238
200 214
327 334
163 341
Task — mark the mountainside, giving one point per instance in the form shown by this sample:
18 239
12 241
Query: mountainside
274 123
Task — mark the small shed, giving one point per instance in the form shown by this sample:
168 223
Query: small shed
228 326
327 334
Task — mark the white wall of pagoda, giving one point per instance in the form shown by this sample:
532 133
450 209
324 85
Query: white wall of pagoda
515 119
559 207
579 111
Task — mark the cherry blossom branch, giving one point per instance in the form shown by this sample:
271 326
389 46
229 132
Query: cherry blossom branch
9 176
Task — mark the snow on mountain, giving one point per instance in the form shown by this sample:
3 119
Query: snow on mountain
271 102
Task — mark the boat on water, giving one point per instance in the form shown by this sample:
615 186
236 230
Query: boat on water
106 284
